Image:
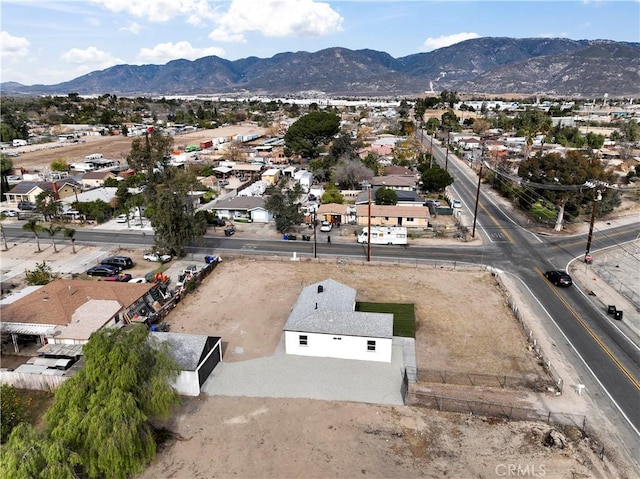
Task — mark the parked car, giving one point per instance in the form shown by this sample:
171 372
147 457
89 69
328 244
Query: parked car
121 219
325 226
122 278
230 231
26 206
456 204
138 280
559 278
103 270
219 222
10 213
121 262
156 257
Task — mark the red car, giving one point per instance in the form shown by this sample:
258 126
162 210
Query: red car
122 277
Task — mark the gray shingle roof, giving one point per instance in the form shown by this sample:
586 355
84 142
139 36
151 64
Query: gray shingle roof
332 312
187 349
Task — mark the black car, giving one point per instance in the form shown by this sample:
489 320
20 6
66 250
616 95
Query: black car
559 278
219 222
120 262
103 270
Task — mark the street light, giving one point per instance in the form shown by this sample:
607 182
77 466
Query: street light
597 197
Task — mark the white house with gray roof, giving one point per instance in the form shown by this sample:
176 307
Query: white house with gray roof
324 323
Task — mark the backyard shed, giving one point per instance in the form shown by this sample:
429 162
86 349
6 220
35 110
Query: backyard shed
197 355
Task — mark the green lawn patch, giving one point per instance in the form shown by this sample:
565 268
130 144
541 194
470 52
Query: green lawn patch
404 316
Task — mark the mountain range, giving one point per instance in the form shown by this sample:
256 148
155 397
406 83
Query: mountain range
489 66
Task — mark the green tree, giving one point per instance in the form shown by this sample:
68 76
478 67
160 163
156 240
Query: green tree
52 230
172 212
555 177
14 410
435 179
312 130
150 152
285 207
332 194
41 275
59 165
30 456
104 413
96 210
386 196
70 233
47 205
33 226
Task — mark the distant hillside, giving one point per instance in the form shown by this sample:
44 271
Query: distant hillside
548 66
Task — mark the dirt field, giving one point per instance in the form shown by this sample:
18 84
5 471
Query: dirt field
463 325
39 157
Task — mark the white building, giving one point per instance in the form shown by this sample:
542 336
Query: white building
324 323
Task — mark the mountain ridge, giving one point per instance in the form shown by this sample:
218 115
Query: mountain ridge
488 65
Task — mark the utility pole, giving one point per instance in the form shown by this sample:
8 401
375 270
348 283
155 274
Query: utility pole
475 212
597 196
446 159
369 228
315 243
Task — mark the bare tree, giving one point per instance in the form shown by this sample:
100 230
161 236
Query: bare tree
351 173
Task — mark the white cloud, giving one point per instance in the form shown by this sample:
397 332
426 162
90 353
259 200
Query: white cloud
276 18
13 47
164 52
196 11
132 27
90 59
94 22
447 40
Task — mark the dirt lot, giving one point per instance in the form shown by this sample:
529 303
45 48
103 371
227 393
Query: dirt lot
39 157
463 325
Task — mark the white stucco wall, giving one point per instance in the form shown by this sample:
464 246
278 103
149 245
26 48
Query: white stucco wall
187 383
337 346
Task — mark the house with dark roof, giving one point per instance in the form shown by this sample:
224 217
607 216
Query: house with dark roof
396 182
197 356
243 208
324 323
29 190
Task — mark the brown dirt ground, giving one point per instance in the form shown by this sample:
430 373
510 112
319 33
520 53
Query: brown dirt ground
459 315
112 147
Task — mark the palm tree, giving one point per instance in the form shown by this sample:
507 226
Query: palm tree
33 226
70 233
4 238
53 229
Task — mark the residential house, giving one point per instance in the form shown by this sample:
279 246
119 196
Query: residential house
396 182
393 215
96 179
405 198
243 208
25 191
67 311
324 323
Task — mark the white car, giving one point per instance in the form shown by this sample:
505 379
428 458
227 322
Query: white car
325 226
121 219
159 258
138 280
10 213
457 204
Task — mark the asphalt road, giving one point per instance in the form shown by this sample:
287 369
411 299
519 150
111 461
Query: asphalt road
611 357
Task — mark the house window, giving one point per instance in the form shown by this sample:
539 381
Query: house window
303 340
371 345
410 219
386 218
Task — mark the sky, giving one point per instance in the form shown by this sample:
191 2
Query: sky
48 42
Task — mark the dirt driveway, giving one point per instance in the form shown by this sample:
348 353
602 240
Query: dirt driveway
463 324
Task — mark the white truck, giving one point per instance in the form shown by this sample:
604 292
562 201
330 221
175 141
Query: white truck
384 235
